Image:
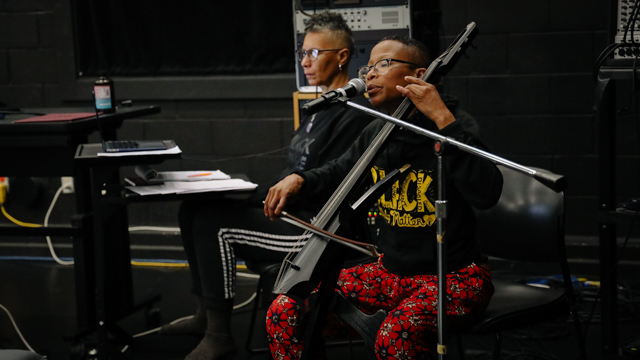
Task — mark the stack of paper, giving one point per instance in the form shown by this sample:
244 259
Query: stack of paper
173 150
184 187
153 176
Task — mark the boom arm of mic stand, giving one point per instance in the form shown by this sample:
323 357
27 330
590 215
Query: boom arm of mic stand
553 181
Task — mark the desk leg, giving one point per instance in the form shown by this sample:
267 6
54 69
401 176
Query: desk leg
83 251
113 289
99 266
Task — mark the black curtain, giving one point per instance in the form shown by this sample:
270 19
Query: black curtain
185 37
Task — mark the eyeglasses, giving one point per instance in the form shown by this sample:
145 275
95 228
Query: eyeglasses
381 67
312 53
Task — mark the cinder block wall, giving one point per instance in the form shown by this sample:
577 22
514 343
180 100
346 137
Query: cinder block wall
528 83
530 87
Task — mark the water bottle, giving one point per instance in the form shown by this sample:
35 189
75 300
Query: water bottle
105 99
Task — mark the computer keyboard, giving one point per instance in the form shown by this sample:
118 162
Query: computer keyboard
125 144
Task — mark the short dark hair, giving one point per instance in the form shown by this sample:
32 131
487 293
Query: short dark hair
418 53
334 24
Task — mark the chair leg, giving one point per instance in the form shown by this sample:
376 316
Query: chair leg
460 347
497 347
254 312
579 334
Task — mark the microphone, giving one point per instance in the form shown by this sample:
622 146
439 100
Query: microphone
355 87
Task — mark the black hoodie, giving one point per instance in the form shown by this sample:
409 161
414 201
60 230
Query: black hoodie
319 139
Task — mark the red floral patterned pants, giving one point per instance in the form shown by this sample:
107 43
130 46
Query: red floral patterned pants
409 330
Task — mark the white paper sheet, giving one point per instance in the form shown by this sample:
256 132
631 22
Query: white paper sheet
173 150
183 187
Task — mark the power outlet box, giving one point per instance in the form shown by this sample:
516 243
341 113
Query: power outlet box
5 180
68 181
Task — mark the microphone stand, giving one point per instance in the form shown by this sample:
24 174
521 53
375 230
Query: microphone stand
553 181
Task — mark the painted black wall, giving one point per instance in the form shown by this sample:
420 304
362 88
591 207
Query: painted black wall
528 83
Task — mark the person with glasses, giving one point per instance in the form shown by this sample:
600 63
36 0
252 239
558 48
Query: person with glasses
403 281
215 234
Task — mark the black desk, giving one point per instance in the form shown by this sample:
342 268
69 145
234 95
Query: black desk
109 201
47 150
50 146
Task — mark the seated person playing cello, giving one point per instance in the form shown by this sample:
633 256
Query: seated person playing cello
403 281
214 233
